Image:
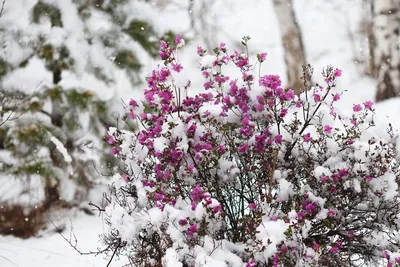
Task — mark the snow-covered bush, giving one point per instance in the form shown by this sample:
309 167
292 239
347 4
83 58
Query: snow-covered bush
64 66
247 173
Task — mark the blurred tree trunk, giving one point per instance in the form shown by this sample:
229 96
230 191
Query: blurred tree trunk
368 26
386 52
292 42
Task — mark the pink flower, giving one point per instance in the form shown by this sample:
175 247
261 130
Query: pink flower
182 222
328 129
200 51
334 250
357 108
114 150
125 178
368 178
193 228
217 209
177 67
331 213
289 95
299 104
324 178
163 55
310 207
368 104
317 97
278 139
243 62
338 73
251 263
179 40
252 206
207 85
261 57
307 137
315 245
111 140
133 103
336 97
283 113
243 148
273 218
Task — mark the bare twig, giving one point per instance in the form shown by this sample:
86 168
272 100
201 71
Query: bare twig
13 263
74 245
2 8
96 207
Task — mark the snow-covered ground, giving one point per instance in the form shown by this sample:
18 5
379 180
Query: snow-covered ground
52 250
326 28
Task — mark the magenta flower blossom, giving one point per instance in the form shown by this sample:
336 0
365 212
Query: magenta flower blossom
368 104
207 85
289 95
111 139
317 97
217 208
243 62
324 178
132 103
200 51
179 40
114 150
176 67
126 178
283 113
310 207
278 139
315 245
183 222
193 228
251 263
327 129
368 178
307 137
262 56
243 148
357 108
338 73
336 97
331 213
252 206
334 250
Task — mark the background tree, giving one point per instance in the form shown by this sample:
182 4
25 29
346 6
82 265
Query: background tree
385 47
292 43
62 66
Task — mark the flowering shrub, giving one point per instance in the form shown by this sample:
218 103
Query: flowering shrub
247 173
